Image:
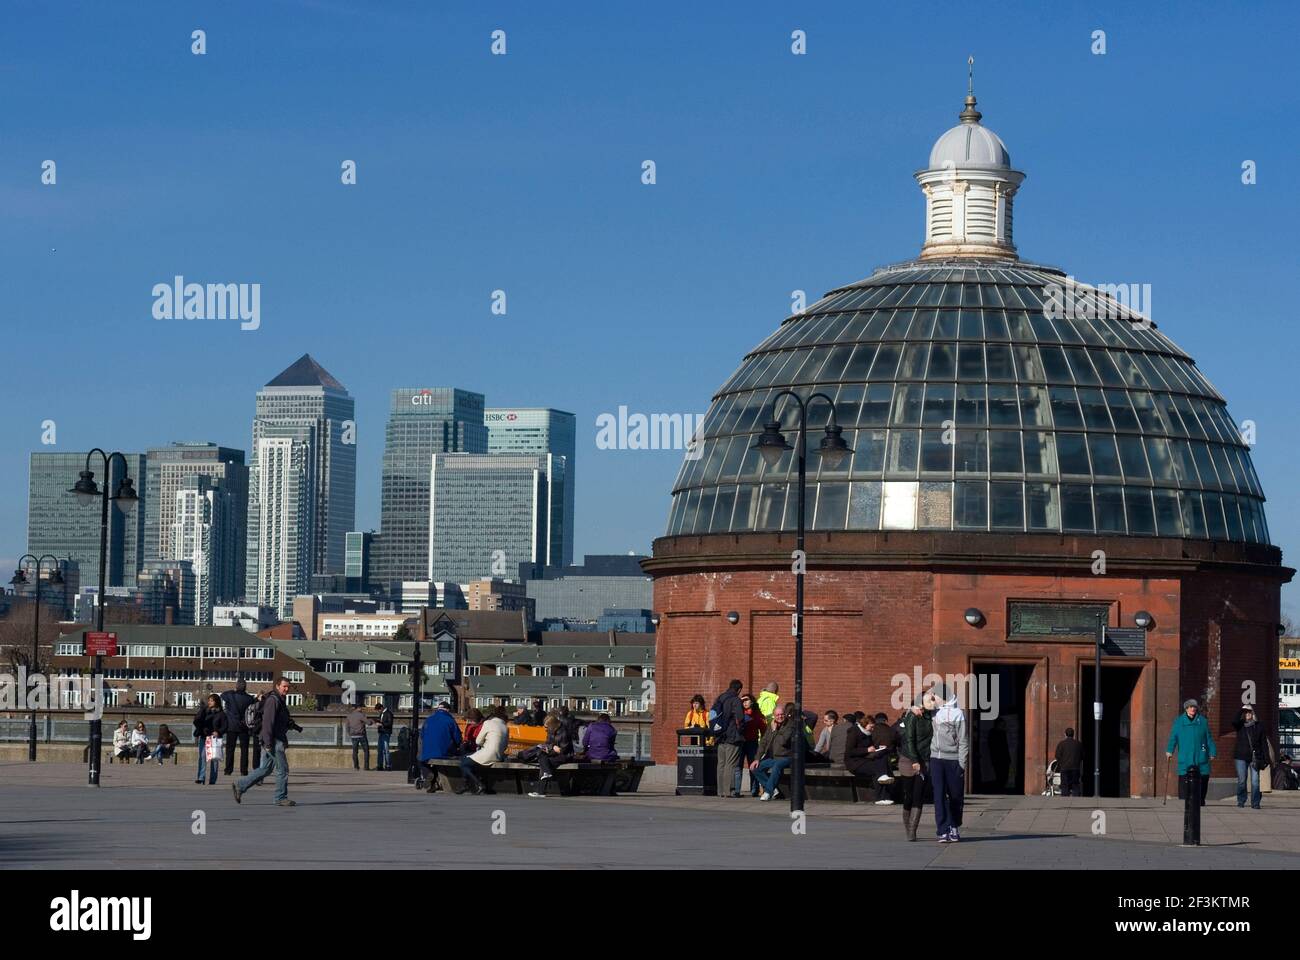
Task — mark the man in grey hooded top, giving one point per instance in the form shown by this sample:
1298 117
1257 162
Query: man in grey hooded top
949 749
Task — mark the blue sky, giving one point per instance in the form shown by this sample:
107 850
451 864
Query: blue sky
522 172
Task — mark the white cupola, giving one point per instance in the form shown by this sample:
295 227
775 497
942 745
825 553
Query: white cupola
969 186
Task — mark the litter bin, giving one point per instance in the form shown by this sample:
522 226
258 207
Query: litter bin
697 764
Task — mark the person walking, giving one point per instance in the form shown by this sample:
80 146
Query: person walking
1190 737
1069 764
440 739
356 724
913 760
236 703
214 737
1251 756
949 751
729 732
200 722
274 724
384 734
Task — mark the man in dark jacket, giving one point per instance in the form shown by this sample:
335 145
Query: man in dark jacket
728 724
384 722
775 753
276 722
235 703
1069 763
356 724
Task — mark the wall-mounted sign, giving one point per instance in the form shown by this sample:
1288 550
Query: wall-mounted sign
1034 620
1288 663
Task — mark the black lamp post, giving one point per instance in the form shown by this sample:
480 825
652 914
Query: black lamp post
772 446
417 670
124 498
56 578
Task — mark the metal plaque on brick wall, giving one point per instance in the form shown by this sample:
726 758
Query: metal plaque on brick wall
1034 620
1126 641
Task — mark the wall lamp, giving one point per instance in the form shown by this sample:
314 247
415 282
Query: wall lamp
974 616
1144 619
733 618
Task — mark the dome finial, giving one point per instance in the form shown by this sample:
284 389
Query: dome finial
970 114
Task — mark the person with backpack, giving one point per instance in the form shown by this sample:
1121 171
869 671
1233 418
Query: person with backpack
236 703
384 724
273 723
728 726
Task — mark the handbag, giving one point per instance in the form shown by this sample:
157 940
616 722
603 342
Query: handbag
215 749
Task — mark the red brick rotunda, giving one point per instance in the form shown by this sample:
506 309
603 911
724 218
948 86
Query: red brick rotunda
1028 453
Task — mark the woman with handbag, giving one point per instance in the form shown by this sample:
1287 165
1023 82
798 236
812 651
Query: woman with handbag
213 745
1251 756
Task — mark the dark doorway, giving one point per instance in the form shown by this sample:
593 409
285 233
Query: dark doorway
1117 686
997 710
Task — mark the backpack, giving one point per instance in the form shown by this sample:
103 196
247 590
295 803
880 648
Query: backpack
253 717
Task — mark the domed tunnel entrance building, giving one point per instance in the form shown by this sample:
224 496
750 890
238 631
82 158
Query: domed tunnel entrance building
1028 454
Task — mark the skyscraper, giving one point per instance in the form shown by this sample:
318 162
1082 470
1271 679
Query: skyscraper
421 423
307 406
539 430
168 468
280 528
487 514
202 533
58 524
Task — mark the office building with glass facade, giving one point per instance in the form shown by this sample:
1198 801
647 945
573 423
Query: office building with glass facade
487 514
58 524
308 406
168 468
540 430
422 421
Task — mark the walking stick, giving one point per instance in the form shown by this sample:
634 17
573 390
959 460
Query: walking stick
1168 763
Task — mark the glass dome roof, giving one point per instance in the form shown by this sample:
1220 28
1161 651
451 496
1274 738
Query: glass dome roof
969 406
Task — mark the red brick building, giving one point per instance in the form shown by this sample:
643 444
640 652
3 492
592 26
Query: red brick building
1028 453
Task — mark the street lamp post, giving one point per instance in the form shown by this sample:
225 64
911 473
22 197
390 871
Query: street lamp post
772 446
417 669
56 578
124 498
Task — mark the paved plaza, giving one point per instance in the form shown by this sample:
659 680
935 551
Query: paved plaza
145 817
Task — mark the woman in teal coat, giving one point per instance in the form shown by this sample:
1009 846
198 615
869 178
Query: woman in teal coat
1190 735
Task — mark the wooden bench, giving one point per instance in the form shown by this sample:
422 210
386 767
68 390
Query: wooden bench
578 777
826 782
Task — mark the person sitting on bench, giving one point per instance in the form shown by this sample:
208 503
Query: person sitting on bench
492 740
139 742
439 740
167 744
558 749
122 742
598 740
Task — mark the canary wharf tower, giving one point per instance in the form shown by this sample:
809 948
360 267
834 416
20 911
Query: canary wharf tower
1008 429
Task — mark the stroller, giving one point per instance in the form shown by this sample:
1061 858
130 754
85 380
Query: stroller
1053 781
